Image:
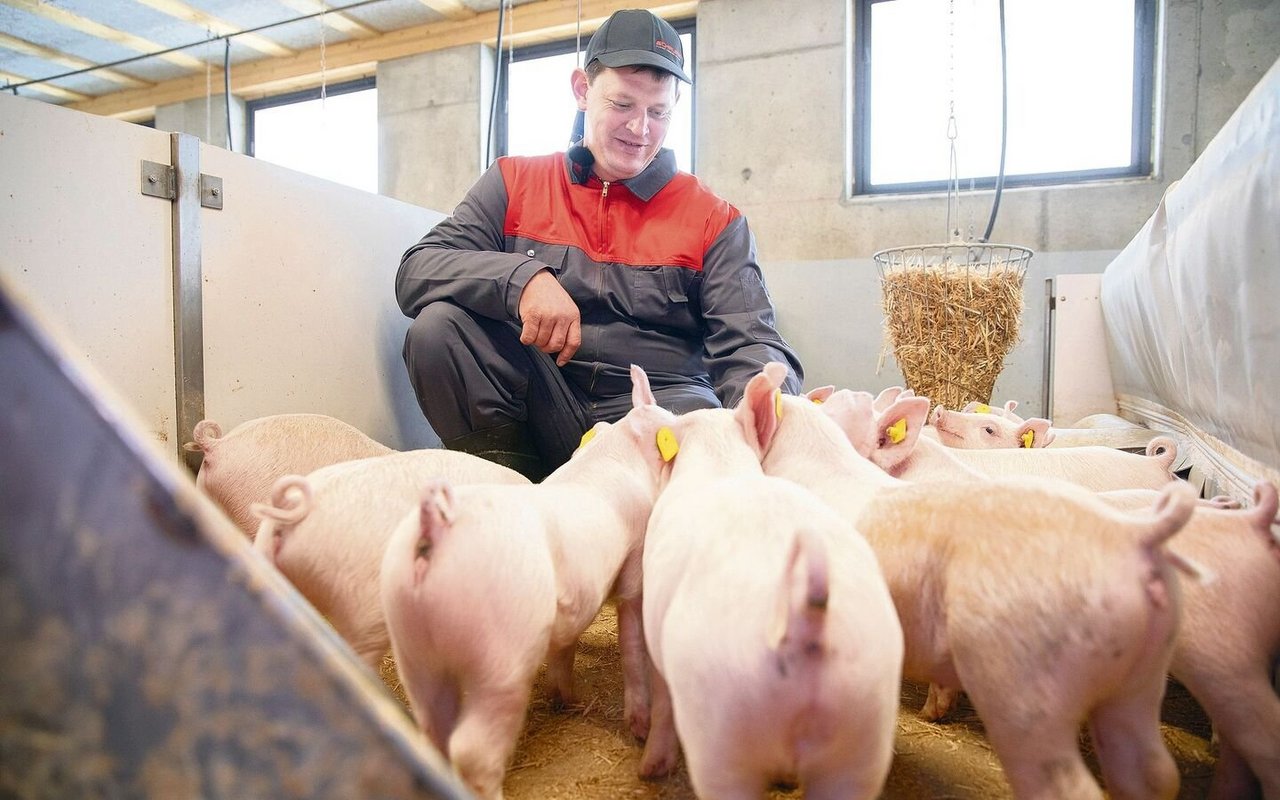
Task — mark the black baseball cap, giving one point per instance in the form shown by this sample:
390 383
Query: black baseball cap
635 37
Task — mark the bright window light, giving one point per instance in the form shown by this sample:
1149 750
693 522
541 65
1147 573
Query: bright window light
334 137
540 106
1071 95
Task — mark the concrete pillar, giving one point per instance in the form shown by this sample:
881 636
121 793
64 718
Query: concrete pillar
771 99
207 119
433 112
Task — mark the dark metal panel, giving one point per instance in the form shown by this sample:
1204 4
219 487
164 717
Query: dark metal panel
145 650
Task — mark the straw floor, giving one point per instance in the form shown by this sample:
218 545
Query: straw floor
587 752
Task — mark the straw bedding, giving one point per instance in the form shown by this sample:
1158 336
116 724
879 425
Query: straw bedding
587 753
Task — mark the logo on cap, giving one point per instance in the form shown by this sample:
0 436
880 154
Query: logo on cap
674 52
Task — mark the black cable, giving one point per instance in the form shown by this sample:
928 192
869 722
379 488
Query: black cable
226 89
497 80
1004 126
168 50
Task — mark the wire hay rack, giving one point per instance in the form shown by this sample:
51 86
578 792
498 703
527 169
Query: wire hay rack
952 313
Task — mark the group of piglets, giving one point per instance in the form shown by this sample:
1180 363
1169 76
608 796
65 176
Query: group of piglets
778 569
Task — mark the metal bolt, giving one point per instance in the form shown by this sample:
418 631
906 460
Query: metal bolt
215 191
152 179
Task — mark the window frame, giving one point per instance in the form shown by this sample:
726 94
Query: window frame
561 46
300 96
1141 160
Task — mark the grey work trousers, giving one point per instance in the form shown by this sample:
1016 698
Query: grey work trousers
471 372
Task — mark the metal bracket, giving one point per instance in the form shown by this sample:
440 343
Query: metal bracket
158 180
210 191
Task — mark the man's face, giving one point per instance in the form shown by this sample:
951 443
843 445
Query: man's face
628 113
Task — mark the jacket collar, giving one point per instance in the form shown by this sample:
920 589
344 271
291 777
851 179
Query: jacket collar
661 170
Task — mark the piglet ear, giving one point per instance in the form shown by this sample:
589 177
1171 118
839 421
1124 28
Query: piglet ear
974 407
761 405
898 429
641 394
821 394
887 396
1010 405
1035 433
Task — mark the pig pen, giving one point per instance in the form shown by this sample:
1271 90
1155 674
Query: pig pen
147 651
233 317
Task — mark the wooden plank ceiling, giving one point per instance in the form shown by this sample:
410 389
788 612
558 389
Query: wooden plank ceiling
125 57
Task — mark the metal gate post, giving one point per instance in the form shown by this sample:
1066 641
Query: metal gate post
188 309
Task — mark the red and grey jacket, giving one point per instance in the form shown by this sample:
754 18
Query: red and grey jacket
663 271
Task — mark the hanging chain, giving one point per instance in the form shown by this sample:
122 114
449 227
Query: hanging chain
323 81
208 87
511 54
953 168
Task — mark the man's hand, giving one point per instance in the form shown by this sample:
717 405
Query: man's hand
550 318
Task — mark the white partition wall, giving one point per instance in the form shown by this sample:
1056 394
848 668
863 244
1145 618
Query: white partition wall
299 303
1079 365
295 291
78 237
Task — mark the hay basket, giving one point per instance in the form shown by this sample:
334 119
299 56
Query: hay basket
952 312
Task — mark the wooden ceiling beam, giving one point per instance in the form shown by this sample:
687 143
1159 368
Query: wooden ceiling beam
449 9
67 60
180 10
43 88
529 22
343 23
85 25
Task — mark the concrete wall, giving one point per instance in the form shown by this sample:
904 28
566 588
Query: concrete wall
773 133
433 117
1238 40
773 136
207 119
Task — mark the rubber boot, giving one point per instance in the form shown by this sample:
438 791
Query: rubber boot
509 445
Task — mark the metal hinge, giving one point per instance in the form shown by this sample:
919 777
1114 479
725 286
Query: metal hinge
158 180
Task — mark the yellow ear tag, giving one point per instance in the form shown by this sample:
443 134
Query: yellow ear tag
1028 438
897 431
817 401
667 444
777 402
982 408
586 437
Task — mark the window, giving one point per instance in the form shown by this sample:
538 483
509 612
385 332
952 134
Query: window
539 104
1079 92
334 136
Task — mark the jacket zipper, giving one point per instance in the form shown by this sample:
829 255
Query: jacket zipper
600 232
604 197
604 201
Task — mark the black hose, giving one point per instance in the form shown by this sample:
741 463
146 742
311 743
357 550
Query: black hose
497 80
1004 126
